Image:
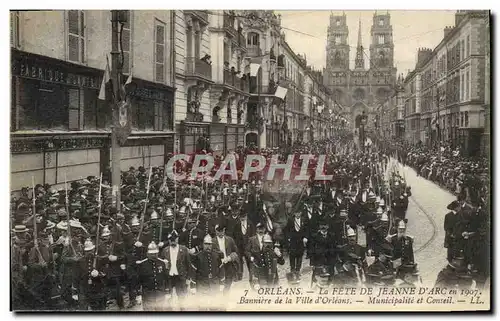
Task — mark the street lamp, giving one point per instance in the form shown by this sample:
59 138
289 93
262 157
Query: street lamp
364 120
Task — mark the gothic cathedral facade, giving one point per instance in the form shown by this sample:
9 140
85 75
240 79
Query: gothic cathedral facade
360 89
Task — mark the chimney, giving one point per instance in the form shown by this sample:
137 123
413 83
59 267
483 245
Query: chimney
447 30
459 16
423 55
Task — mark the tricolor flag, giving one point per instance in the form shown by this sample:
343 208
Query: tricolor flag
281 92
106 81
254 69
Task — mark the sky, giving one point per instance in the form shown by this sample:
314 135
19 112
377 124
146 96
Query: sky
411 30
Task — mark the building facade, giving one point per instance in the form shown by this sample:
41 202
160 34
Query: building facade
360 89
194 87
60 130
211 81
448 87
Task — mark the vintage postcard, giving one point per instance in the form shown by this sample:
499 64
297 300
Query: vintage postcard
250 160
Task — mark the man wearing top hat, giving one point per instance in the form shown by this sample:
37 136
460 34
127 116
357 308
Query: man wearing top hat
456 273
243 231
296 233
207 269
178 265
227 246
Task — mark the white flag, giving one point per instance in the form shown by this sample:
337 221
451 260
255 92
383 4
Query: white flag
129 79
254 69
281 92
105 79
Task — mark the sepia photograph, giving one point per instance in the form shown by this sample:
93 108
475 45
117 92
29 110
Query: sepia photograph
250 160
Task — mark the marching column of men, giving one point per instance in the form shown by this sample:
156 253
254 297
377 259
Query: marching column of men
181 238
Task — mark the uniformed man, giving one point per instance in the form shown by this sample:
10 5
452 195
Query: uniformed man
266 266
207 269
402 245
135 252
114 265
92 283
192 237
153 275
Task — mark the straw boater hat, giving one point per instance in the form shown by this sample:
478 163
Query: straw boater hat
350 232
135 221
20 229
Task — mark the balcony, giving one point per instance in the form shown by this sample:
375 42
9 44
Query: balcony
254 51
201 15
242 41
232 80
228 25
198 68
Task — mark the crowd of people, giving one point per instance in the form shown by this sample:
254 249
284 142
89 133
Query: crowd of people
466 177
73 249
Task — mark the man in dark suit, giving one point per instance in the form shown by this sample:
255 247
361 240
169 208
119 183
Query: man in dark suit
296 231
227 246
178 265
256 243
450 223
243 231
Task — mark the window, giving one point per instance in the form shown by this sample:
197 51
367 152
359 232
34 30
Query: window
75 113
227 52
461 119
160 51
467 48
76 36
381 39
338 22
337 40
253 39
462 88
466 117
467 92
381 22
14 29
126 44
462 50
197 44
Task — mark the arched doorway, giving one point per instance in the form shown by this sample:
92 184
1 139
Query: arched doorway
251 139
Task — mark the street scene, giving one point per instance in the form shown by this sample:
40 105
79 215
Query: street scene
194 160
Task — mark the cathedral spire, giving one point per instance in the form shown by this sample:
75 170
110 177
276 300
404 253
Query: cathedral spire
360 60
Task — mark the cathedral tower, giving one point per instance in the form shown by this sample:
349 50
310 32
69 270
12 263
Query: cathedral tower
382 46
337 48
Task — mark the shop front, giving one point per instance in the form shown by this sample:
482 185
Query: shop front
193 136
60 130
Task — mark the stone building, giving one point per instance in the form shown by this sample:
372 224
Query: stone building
60 130
360 89
448 87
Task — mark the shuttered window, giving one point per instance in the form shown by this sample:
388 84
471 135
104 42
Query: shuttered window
160 51
76 36
14 29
